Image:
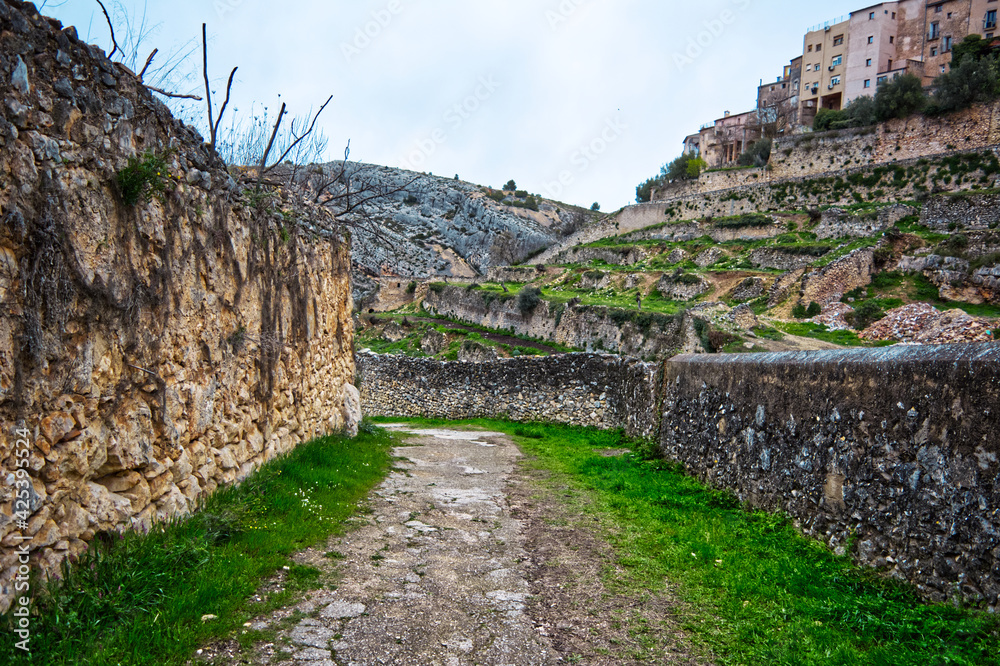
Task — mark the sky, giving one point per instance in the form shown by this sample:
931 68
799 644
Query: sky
575 100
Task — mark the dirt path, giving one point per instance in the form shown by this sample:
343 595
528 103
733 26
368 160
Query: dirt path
467 557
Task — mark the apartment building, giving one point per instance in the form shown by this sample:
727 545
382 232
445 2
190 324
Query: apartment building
849 57
824 58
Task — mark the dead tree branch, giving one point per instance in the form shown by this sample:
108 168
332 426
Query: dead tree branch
149 61
111 28
174 95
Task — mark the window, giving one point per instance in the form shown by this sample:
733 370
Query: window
946 44
819 47
889 68
949 14
894 16
892 39
935 30
871 17
882 79
868 83
809 68
989 35
837 60
944 68
871 40
838 40
933 51
991 20
810 48
868 63
835 81
938 9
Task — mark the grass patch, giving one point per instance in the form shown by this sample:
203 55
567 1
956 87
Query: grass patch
138 599
821 332
755 590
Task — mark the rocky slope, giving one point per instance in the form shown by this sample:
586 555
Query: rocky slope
424 226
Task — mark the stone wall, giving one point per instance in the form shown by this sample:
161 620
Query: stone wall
892 452
895 450
577 389
641 334
964 210
150 352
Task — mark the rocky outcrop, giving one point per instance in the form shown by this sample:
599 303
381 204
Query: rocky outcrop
839 223
749 289
843 275
153 349
628 255
682 286
777 259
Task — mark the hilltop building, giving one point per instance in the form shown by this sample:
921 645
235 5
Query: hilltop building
847 58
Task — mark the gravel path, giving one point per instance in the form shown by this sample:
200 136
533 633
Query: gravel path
438 575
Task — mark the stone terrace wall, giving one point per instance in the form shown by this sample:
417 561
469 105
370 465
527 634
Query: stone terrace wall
897 448
577 389
150 353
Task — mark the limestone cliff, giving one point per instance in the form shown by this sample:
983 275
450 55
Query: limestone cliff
163 332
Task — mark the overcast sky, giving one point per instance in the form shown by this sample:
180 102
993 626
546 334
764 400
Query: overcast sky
577 100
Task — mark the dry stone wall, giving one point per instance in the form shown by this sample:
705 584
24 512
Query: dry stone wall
150 352
893 453
895 449
577 389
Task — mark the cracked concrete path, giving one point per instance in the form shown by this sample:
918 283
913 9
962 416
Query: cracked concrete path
439 573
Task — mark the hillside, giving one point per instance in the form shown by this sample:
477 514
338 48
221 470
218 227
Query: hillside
424 226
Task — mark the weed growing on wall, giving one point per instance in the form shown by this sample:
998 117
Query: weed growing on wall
143 178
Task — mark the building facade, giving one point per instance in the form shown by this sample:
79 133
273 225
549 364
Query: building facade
848 58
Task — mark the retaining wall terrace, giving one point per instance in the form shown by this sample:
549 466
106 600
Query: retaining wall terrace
149 351
577 389
895 449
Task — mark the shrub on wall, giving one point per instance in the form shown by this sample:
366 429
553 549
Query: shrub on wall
528 299
900 97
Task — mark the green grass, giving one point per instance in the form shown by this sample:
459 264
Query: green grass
821 332
755 591
139 599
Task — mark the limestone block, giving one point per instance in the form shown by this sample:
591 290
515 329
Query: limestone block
104 507
351 410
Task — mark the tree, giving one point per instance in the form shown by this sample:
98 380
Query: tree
686 167
974 78
644 191
860 112
758 155
973 47
899 98
511 186
595 207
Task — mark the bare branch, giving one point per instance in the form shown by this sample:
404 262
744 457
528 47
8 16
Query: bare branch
307 133
174 95
110 27
270 143
222 111
149 61
208 86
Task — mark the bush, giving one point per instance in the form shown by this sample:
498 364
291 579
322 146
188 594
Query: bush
814 309
899 98
411 288
143 178
867 314
521 194
528 299
511 186
973 81
825 118
686 167
758 155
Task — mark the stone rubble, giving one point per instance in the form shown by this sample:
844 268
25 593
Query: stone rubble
921 323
